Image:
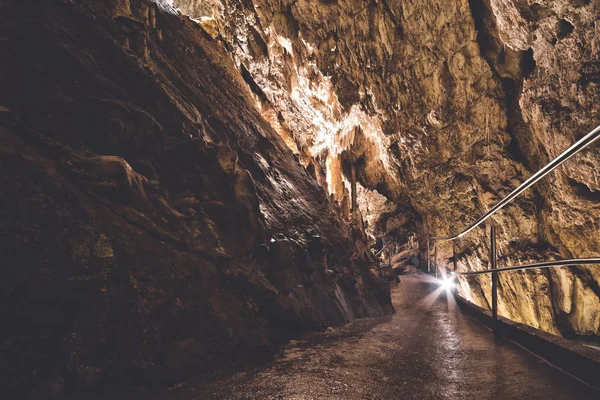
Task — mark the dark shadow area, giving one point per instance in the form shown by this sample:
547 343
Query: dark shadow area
527 62
565 28
583 191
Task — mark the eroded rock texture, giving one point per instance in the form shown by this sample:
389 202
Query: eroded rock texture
151 218
443 107
178 189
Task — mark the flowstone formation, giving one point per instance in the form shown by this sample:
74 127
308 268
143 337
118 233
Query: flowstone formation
153 222
439 109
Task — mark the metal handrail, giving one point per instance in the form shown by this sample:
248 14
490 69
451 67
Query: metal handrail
581 144
546 264
383 248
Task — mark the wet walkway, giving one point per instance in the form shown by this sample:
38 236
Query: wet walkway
427 350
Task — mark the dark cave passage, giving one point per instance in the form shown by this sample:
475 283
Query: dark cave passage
189 183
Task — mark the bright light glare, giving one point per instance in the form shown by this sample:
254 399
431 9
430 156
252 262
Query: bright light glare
447 283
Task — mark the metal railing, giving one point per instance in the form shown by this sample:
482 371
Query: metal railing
580 145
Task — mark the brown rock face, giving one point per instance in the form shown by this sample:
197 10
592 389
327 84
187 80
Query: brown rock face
443 107
151 218
178 190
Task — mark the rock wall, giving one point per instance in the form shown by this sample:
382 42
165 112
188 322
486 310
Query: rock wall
443 107
179 189
152 220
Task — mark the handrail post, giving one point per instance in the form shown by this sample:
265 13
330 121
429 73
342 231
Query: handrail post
454 254
494 278
428 256
455 261
435 258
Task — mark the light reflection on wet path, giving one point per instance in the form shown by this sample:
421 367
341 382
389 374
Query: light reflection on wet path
427 350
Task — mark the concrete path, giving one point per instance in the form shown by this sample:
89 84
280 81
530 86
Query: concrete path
427 350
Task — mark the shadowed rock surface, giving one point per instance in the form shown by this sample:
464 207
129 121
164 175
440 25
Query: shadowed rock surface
152 221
